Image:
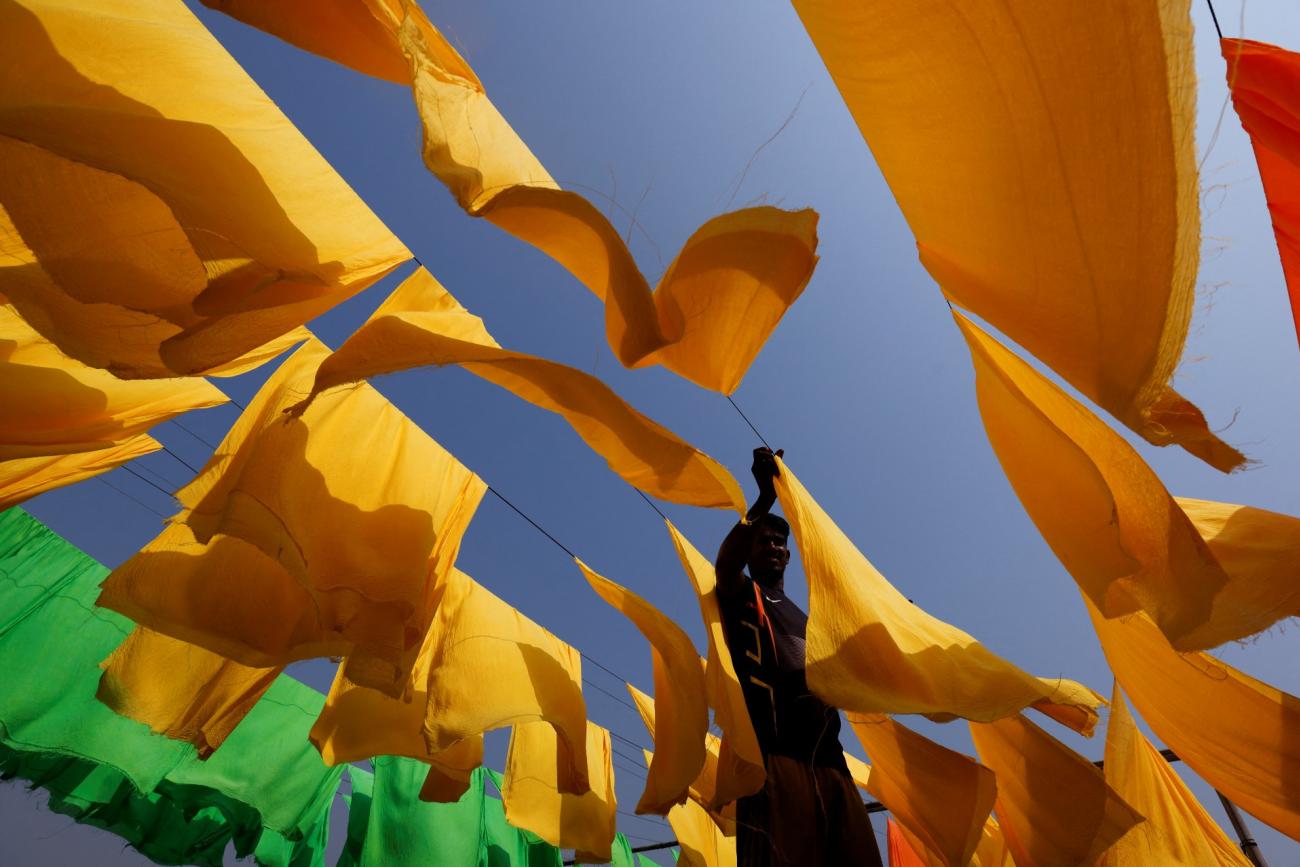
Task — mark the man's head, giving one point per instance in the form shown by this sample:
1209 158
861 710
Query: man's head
769 551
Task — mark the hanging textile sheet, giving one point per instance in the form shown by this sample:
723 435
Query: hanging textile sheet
24 478
701 840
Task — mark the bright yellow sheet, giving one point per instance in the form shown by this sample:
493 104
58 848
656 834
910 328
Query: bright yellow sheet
422 324
23 478
1178 832
161 216
1053 805
982 116
701 841
534 802
679 695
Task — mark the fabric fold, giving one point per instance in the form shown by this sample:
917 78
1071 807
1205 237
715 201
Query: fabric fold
701 841
24 478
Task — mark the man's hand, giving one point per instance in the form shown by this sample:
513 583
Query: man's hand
765 469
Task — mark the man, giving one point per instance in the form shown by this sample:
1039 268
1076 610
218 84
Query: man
809 812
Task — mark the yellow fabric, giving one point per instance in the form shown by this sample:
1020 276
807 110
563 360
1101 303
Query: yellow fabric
741 770
870 650
983 119
490 667
1053 805
450 771
161 216
422 324
56 405
992 850
680 695
180 690
1107 515
1178 832
1240 735
941 796
534 802
702 842
262 354
23 478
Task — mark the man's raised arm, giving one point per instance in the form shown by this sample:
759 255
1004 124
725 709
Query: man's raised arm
734 552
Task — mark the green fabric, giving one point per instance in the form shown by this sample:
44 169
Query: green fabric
621 853
363 789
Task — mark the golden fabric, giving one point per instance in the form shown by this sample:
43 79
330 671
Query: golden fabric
180 690
56 405
679 693
702 842
983 119
1240 735
24 478
161 216
1177 831
870 650
450 771
1053 805
1108 517
741 770
533 799
991 852
941 796
422 324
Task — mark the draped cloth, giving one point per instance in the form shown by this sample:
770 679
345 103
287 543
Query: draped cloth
161 215
1178 832
680 695
901 852
422 324
718 302
1053 805
702 842
24 478
870 650
1111 522
982 117
1265 84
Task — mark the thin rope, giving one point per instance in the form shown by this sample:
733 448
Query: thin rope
747 421
649 502
177 422
628 741
148 481
142 505
193 469
600 688
157 475
1215 18
605 669
521 514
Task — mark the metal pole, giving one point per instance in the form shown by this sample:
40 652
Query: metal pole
1248 844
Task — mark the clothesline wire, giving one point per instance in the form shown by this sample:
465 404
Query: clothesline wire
188 465
747 421
628 741
1215 18
651 503
177 422
139 503
157 487
539 527
600 688
157 475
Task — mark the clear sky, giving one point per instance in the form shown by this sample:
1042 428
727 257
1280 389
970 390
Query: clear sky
663 109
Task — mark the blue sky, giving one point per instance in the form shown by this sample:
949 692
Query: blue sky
662 108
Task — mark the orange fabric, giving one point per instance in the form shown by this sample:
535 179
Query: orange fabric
901 853
1265 84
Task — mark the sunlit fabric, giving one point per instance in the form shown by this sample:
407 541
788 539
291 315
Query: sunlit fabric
161 215
585 822
1053 805
941 796
1107 515
1240 735
1265 84
680 697
901 853
422 324
991 852
701 840
870 650
180 690
715 306
23 478
356 513
983 120
1178 832
740 769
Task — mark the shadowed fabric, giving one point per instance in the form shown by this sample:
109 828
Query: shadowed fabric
718 302
680 696
23 478
870 650
701 841
740 770
533 801
941 796
992 850
1265 84
901 853
421 324
344 520
1178 832
1053 805
1107 516
161 215
1240 735
450 770
982 117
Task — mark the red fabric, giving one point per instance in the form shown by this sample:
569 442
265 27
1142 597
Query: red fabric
1265 84
901 853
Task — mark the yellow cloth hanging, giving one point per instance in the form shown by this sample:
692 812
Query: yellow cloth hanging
941 796
422 324
992 850
870 650
982 117
161 215
534 802
680 694
1178 832
1107 515
180 690
450 771
23 478
741 770
1240 735
702 842
715 307
1053 804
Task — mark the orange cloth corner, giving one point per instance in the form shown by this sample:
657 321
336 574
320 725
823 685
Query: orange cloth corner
901 853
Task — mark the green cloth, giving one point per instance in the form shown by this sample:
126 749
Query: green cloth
363 789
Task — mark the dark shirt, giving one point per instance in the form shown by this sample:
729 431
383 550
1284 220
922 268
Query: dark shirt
766 632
